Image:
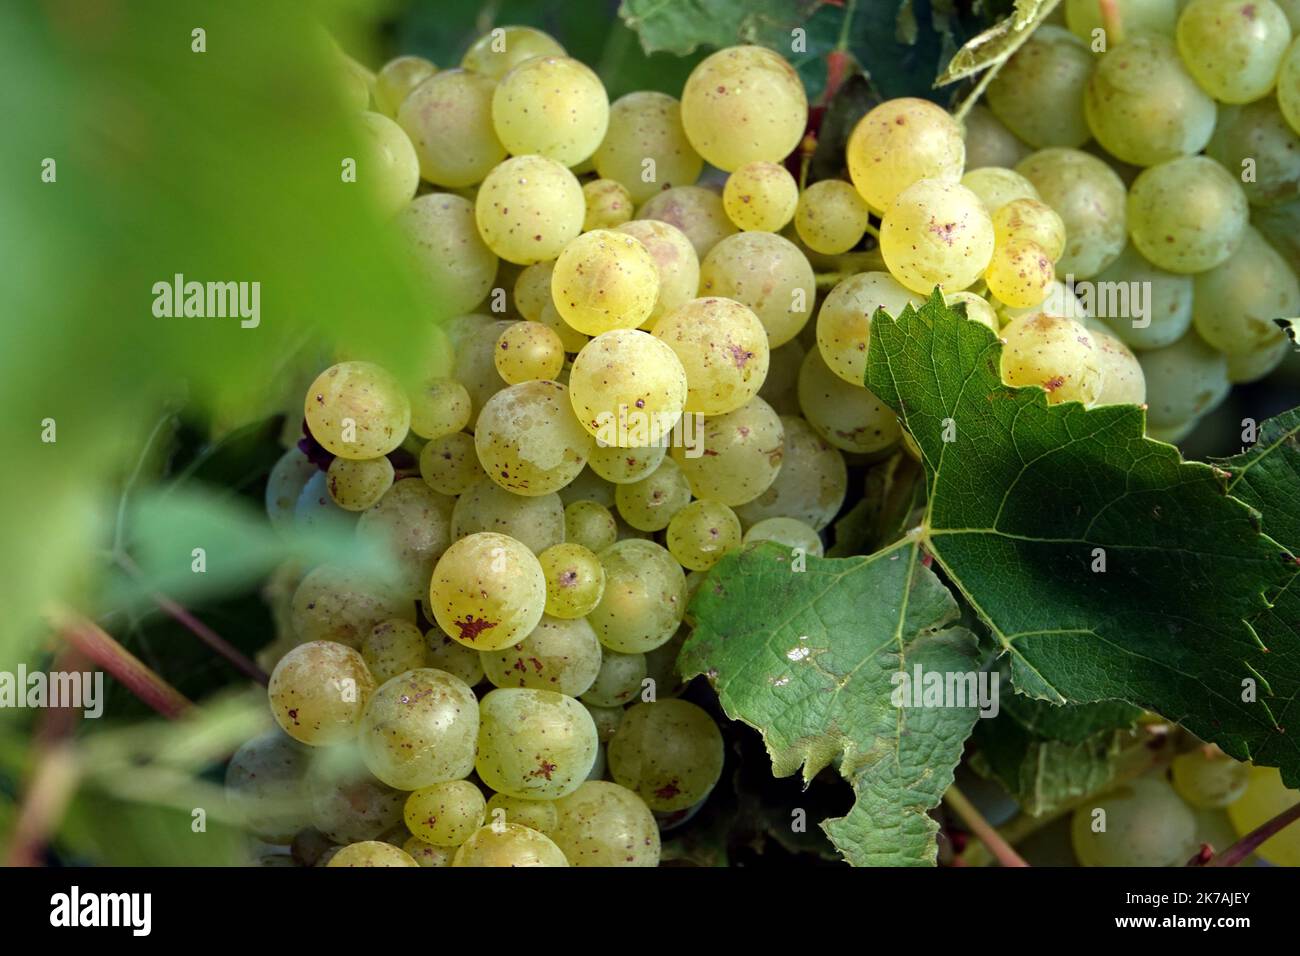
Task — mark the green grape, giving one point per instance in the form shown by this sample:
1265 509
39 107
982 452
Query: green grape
1055 353
1172 434
1259 133
396 79
831 217
371 853
936 233
534 743
606 719
618 681
354 79
603 824
977 309
844 321
590 525
650 503
645 147
539 815
723 348
1266 797
811 484
744 104
589 486
575 580
1245 367
1233 47
695 211
673 254
419 729
528 209
412 523
628 388
644 600
449 465
1184 381
1039 92
760 196
1121 374
387 165
289 476
1143 106
537 522
457 267
347 803
1137 16
1236 302
622 466
738 454
528 440
355 485
790 532
1288 86
449 120
1020 273
989 143
445 814
444 654
996 186
570 338
1033 221
900 142
426 854
702 533
335 604
848 416
1145 825
609 204
318 691
488 591
1089 197
780 387
552 106
1187 215
668 752
441 408
1168 302
768 274
1208 778
559 655
392 648
499 51
509 845
605 280
266 787
357 410
533 290
475 366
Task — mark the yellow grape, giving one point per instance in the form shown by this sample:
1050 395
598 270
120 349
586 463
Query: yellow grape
605 280
552 106
589 524
702 533
668 752
644 600
694 210
488 591
1020 273
844 320
426 854
645 147
449 465
1089 197
673 254
850 417
622 466
1054 353
528 351
649 503
1187 215
722 347
535 744
396 79
1138 16
603 824
575 580
539 815
357 410
528 209
419 729
449 120
811 484
1235 303
533 290
831 217
509 845
456 265
900 142
571 338
996 186
989 142
1207 778
560 655
441 408
609 204
1121 374
618 680
501 49
392 648
790 532
760 196
738 456
411 523
936 233
1031 220
371 853
537 522
1184 381
1038 93
628 388
333 604
318 692
388 167
445 814
444 654
1233 47
767 273
356 484
977 309
1265 797
528 440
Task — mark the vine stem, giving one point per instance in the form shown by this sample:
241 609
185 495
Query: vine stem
1111 21
992 840
53 782
103 650
1252 840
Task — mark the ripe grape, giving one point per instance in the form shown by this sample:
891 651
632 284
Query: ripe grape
1039 92
318 691
739 454
673 254
811 484
1233 47
1121 373
335 604
396 79
609 204
977 309
533 290
575 580
831 217
539 815
411 523
1208 778
900 142
760 196
618 680
1055 353
649 503
1288 86
644 600
488 591
790 532
1089 197
697 212
357 410
499 51
528 209
989 142
444 654
645 147
475 366
445 814
589 486
723 349
419 729
1168 301
1184 381
528 351
936 233
996 186
534 743
628 388
702 533
1145 825
528 440
1258 132
1187 215
449 120
607 720
668 752
449 465
1265 797
850 417
371 853
622 466
1236 302
440 408
559 655
426 854
603 824
744 104
844 321
768 274
347 803
589 524
552 106
387 164
1033 221
570 338
1020 273
289 475
509 845
1252 366
536 521
605 280
266 787
392 648
1138 16
355 485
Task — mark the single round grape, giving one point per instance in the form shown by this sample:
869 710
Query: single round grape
1166 304
702 533
1288 86
1259 133
570 338
996 186
356 484
419 729
650 503
396 79
442 407
609 204
445 814
695 211
605 280
790 532
528 351
844 320
668 752
1184 381
334 604
412 524
1267 796
1121 374
768 274
936 233
528 209
488 591
1057 354
644 600
559 655
899 142
760 196
347 803
989 142
811 484
537 522
1143 106
318 691
744 104
552 106
673 254
528 440
509 845
831 217
444 654
1187 215
850 417
1208 778
622 466
1020 273
371 853
1090 199
449 120
357 410
575 580
603 824
1233 47
447 252
618 681
266 787
1039 92
590 525
645 147
534 743
449 465
628 388
533 290
475 366
289 475
501 49
1145 825
392 648
1137 16
723 348
1030 220
387 167
539 815
426 854
1236 302
1247 367
607 720
738 455
977 309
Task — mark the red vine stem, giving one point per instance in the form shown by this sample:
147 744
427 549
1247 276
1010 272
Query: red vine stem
983 830
53 781
103 650
1251 841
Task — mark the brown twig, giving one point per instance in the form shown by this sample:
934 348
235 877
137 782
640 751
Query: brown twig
103 650
981 828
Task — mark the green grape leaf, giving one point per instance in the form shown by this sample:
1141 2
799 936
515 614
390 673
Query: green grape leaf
1105 567
809 658
680 26
994 46
893 490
